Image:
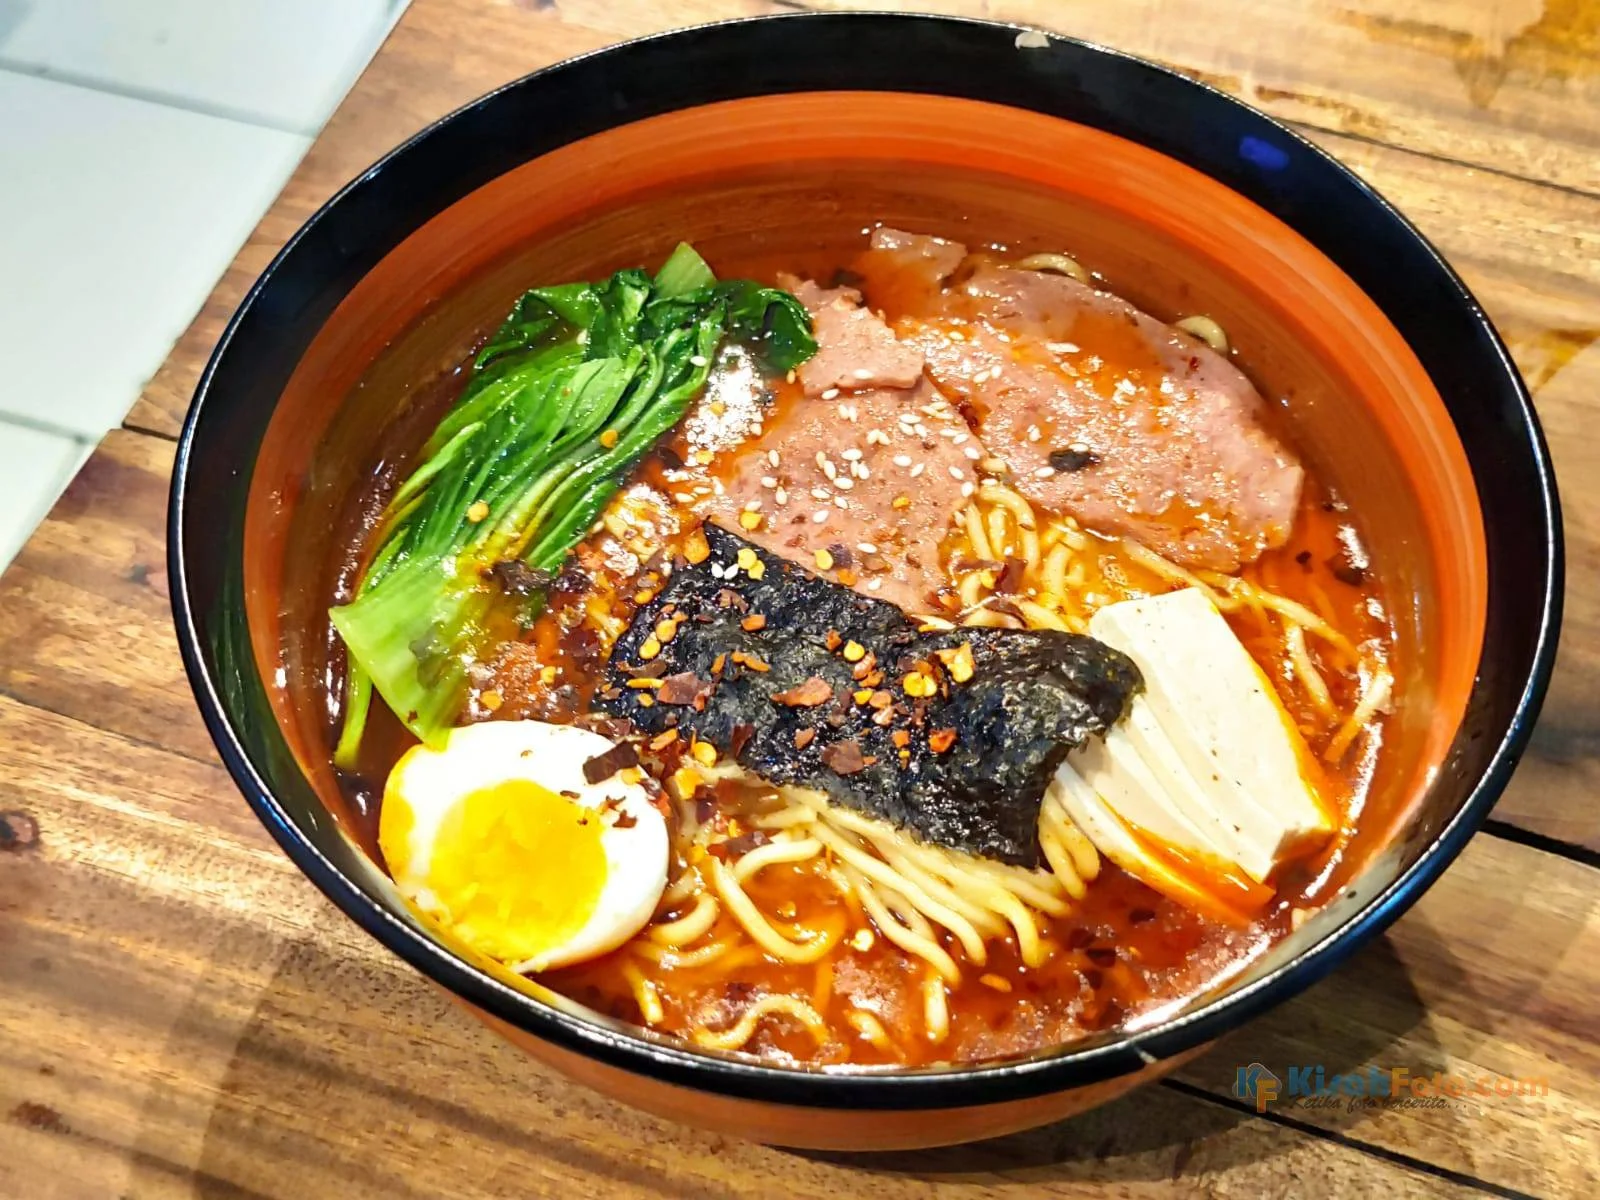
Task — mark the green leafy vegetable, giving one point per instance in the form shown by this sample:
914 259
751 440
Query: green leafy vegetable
683 272
566 397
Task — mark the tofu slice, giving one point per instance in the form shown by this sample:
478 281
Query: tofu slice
1194 885
1207 760
1119 773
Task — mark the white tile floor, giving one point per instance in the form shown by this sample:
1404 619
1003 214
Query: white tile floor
140 140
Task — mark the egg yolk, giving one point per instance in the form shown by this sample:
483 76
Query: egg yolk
518 869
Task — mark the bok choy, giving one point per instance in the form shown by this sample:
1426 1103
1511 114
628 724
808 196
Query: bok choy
572 390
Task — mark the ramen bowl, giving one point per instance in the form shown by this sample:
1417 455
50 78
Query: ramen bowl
748 138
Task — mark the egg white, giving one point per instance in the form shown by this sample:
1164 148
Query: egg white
431 783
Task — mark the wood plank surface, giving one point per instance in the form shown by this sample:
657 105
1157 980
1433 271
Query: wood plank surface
1511 85
182 1014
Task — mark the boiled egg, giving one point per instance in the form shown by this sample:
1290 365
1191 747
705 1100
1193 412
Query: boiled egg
499 839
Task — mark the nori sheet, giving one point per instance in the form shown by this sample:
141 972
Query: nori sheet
1033 696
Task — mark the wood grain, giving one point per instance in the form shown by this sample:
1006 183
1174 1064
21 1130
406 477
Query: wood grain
85 623
1510 85
181 1013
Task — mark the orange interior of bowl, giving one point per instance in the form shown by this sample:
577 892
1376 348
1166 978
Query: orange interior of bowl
782 178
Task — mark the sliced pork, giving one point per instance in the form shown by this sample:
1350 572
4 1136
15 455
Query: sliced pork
861 485
870 480
855 349
1099 410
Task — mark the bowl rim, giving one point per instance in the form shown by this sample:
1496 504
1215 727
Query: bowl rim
1052 1069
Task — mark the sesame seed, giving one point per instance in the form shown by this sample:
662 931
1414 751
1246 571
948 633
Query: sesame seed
781 496
844 412
862 373
1044 472
1034 433
973 453
844 483
716 487
863 471
851 455
850 412
830 394
918 469
768 482
840 502
968 488
902 460
822 459
772 457
1061 347
1079 447
828 469
790 376
874 584
956 472
959 439
866 547
752 506
818 493
683 497
820 515
877 437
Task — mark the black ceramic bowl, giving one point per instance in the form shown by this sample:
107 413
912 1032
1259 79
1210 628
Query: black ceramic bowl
1405 394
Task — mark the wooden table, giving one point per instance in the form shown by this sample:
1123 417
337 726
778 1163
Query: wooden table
182 1014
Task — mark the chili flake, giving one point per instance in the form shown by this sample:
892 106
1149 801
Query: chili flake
812 692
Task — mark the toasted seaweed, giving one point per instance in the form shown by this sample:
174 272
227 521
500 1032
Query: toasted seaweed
1026 700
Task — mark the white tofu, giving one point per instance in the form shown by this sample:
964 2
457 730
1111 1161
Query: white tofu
1216 760
1114 767
1094 817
